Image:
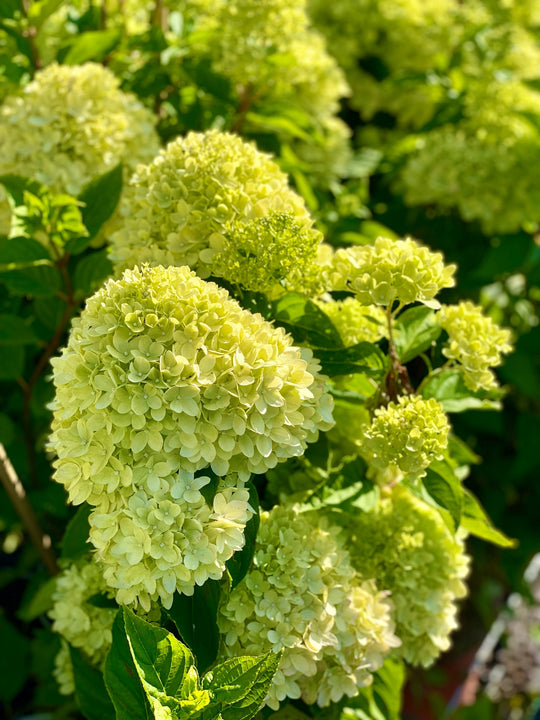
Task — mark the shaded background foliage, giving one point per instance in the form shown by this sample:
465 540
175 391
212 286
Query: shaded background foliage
166 63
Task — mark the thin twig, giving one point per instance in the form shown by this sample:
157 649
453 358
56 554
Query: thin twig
246 101
397 381
17 495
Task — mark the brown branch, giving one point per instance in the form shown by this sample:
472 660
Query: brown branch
397 380
30 34
246 101
17 495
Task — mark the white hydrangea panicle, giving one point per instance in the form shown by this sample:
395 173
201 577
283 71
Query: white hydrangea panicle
79 622
268 50
178 207
71 124
302 595
164 375
475 342
391 270
406 547
408 435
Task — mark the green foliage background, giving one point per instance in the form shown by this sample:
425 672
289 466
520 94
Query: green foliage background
41 290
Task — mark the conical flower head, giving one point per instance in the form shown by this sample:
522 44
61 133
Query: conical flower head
177 208
302 595
71 124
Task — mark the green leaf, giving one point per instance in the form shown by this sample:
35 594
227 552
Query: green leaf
196 620
241 684
91 271
445 488
121 677
93 45
450 390
15 331
382 700
477 522
100 198
27 269
239 564
415 332
39 11
90 691
75 542
17 185
12 365
40 602
306 322
361 358
14 664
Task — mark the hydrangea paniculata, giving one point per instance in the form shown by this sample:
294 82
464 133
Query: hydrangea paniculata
391 270
71 124
79 622
408 434
405 545
177 208
356 322
475 342
303 595
163 376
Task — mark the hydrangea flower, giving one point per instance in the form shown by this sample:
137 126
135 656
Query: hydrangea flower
177 208
475 342
405 545
71 124
164 375
63 670
271 254
408 434
301 594
269 51
391 270
354 321
79 622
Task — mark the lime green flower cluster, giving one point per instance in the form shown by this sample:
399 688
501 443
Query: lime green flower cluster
303 595
391 270
78 621
72 123
354 321
408 434
408 37
486 165
164 375
63 670
475 342
177 208
328 154
269 51
271 254
405 545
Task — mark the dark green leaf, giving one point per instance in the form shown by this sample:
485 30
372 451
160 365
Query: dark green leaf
90 272
100 198
445 488
241 684
93 45
15 331
121 677
415 332
362 358
75 542
26 268
383 698
90 692
239 564
40 602
450 390
13 660
16 186
102 601
476 521
12 364
306 322
196 620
